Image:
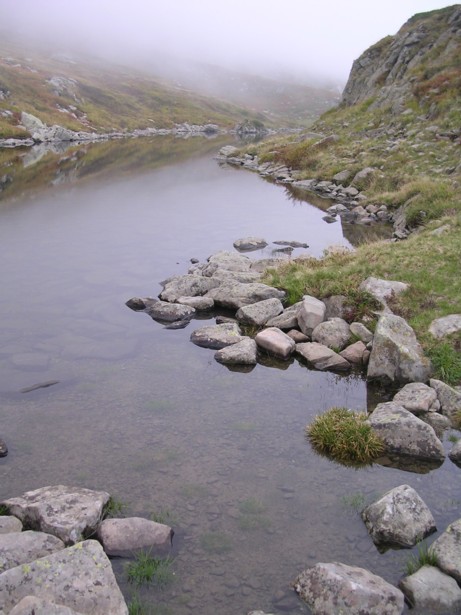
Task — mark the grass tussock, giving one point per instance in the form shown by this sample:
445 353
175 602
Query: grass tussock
424 557
345 437
153 570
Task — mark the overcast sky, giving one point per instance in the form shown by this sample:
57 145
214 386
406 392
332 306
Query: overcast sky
321 37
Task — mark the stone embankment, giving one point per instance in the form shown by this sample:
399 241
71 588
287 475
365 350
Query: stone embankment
319 331
345 188
54 547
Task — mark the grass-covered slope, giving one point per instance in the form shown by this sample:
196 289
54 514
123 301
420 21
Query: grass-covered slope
96 96
415 152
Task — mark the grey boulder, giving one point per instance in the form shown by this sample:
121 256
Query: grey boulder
30 605
359 330
440 327
382 290
288 319
259 313
186 286
354 353
9 524
242 353
169 312
65 512
311 313
417 397
429 590
121 536
405 434
234 295
276 342
334 333
79 577
449 398
447 549
16 549
321 357
217 336
396 355
248 244
338 588
398 518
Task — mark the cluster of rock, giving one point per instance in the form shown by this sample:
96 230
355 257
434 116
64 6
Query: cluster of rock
400 518
48 567
41 133
345 187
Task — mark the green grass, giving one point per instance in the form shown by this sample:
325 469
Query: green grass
114 508
4 510
345 437
165 516
354 501
150 570
424 557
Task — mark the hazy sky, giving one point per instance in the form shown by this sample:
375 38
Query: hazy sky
321 37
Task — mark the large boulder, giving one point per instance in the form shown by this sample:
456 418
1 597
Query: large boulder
405 434
79 577
449 398
396 355
217 336
418 398
66 512
440 327
170 312
311 313
242 353
429 590
276 342
447 549
334 333
31 605
321 357
123 536
187 286
231 261
16 549
382 290
259 313
234 295
288 319
399 518
338 588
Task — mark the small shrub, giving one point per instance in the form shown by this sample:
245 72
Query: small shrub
148 569
345 436
424 557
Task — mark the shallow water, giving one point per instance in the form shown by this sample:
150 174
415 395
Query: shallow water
141 412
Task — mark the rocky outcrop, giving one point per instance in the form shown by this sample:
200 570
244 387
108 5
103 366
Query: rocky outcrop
338 588
383 73
399 518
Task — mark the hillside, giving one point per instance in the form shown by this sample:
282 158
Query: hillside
86 94
399 122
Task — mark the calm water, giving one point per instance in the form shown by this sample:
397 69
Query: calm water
141 412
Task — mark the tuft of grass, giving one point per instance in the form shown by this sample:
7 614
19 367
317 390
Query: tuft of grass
165 516
345 436
148 569
215 542
113 508
137 607
452 438
251 515
446 361
354 501
424 557
4 510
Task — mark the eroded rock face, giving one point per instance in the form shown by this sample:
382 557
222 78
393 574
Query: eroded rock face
399 518
396 355
122 536
16 549
405 434
447 549
65 512
217 336
242 353
79 577
338 588
429 590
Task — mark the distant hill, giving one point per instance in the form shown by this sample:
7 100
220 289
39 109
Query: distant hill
82 93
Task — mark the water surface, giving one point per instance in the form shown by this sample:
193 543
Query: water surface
141 412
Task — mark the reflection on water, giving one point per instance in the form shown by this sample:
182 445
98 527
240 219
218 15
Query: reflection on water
148 416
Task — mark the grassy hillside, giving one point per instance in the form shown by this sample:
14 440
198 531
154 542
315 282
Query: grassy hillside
92 95
416 157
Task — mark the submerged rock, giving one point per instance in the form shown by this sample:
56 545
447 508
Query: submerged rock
338 588
398 518
247 244
449 398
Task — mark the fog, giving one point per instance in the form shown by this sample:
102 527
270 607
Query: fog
300 38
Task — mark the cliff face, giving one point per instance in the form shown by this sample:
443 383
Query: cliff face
425 51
